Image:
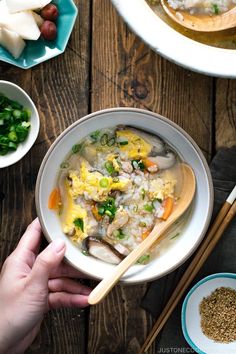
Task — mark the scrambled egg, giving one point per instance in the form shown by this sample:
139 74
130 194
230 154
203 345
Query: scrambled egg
136 148
93 185
74 211
160 189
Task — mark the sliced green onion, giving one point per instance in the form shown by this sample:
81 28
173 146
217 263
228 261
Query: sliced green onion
104 139
95 135
148 207
109 167
123 142
104 183
101 210
76 148
119 234
143 193
111 141
142 224
64 165
12 146
79 222
115 179
135 208
108 212
12 136
144 259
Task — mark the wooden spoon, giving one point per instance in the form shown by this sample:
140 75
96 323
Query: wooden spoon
202 22
186 197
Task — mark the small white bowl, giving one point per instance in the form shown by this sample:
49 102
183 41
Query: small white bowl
16 93
196 225
191 317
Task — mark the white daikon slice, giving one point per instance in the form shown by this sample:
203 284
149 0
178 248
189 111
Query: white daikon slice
22 23
38 19
12 42
22 5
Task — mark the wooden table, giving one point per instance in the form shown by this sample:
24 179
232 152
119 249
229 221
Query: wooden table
105 65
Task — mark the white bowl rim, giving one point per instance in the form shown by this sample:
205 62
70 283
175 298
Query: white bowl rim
142 111
174 46
184 306
36 126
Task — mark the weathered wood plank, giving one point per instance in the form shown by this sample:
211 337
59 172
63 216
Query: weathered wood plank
125 72
60 90
225 117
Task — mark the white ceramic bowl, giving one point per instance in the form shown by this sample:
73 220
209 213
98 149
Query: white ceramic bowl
174 46
176 137
16 93
191 318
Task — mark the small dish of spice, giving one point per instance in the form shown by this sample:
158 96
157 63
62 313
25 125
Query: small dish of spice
209 315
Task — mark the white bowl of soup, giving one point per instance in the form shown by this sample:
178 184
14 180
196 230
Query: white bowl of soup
211 53
105 182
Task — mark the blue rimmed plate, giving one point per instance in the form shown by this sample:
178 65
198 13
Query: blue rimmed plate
191 317
38 51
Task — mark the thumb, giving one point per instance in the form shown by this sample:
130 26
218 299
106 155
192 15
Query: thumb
46 261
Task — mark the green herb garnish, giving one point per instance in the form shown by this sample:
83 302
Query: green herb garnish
95 135
109 167
79 222
123 142
108 207
76 148
215 9
138 165
104 183
104 139
144 259
148 207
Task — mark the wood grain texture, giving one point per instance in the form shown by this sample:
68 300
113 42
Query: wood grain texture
125 72
60 90
225 119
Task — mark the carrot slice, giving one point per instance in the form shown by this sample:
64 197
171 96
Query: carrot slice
95 212
145 234
54 199
167 204
149 163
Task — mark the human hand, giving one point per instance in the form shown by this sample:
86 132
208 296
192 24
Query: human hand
30 285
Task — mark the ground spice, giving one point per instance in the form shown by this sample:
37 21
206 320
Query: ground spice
218 315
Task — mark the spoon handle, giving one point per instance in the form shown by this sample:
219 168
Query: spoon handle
101 290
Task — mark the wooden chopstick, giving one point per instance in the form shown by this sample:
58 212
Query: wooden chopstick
224 217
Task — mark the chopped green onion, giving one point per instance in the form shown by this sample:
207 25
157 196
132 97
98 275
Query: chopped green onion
16 114
108 212
123 142
135 208
111 141
119 234
143 193
109 167
142 224
144 259
215 9
76 148
79 223
148 207
115 179
101 211
14 125
138 165
95 135
64 165
104 139
104 183
12 136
